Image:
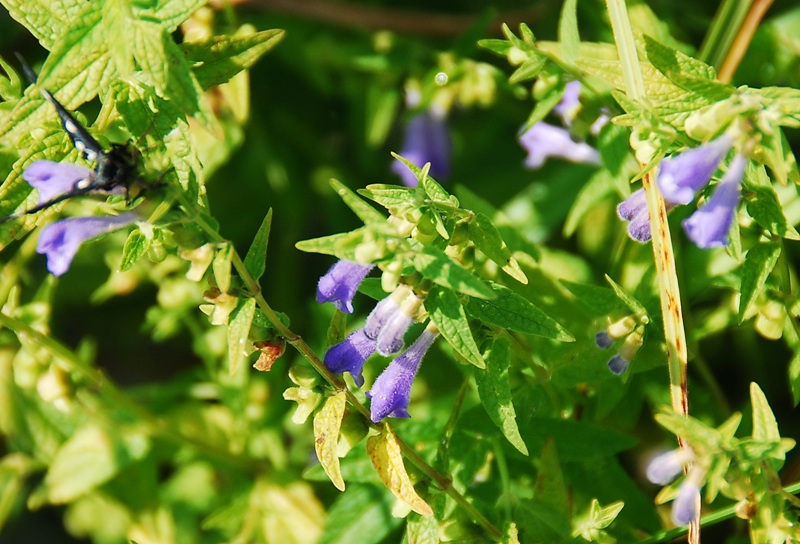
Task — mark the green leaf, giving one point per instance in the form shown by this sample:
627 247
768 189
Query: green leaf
495 391
47 21
433 264
529 69
433 189
256 258
598 186
170 13
136 245
342 245
238 332
568 35
550 487
765 428
763 205
422 530
543 107
509 310
364 211
597 300
448 314
327 424
634 305
487 239
217 59
758 265
90 457
362 514
390 197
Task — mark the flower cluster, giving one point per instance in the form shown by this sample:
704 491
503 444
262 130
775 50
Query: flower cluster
665 468
543 140
61 240
384 333
630 328
680 179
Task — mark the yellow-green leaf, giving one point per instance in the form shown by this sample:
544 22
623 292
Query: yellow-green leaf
327 423
384 452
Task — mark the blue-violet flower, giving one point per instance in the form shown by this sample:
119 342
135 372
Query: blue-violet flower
427 139
683 175
686 507
350 355
708 226
543 141
60 240
634 210
53 179
391 392
570 101
340 283
664 468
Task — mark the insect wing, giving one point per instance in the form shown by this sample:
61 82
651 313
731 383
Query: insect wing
83 141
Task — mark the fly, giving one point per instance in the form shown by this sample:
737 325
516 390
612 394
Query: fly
113 168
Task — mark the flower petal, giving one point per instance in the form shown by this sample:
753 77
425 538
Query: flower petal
708 227
543 141
427 139
391 392
350 355
683 175
686 507
53 179
60 240
340 284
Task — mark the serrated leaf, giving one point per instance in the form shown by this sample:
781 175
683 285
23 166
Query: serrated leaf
90 457
422 530
449 316
390 197
765 428
512 311
364 211
136 245
384 452
487 239
495 391
47 21
763 205
327 424
758 265
238 332
439 268
171 13
256 259
568 35
217 59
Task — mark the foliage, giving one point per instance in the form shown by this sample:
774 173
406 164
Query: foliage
546 343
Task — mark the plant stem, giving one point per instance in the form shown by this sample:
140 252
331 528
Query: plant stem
443 481
664 256
743 38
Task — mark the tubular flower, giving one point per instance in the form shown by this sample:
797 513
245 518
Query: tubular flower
390 337
384 311
666 467
634 210
708 227
391 392
622 327
53 179
570 101
350 355
427 139
340 283
683 175
619 363
543 141
686 507
60 240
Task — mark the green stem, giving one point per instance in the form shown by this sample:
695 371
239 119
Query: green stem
724 28
444 482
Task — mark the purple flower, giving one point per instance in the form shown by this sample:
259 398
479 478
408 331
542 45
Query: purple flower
603 340
686 507
664 468
53 179
350 355
60 240
634 210
681 176
340 283
618 364
708 227
427 139
391 392
543 141
570 101
383 312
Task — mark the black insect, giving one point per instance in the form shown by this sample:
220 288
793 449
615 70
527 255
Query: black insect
113 168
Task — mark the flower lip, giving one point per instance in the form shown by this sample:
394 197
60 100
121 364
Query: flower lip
708 227
350 355
60 240
53 179
686 507
543 141
683 175
340 283
391 392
